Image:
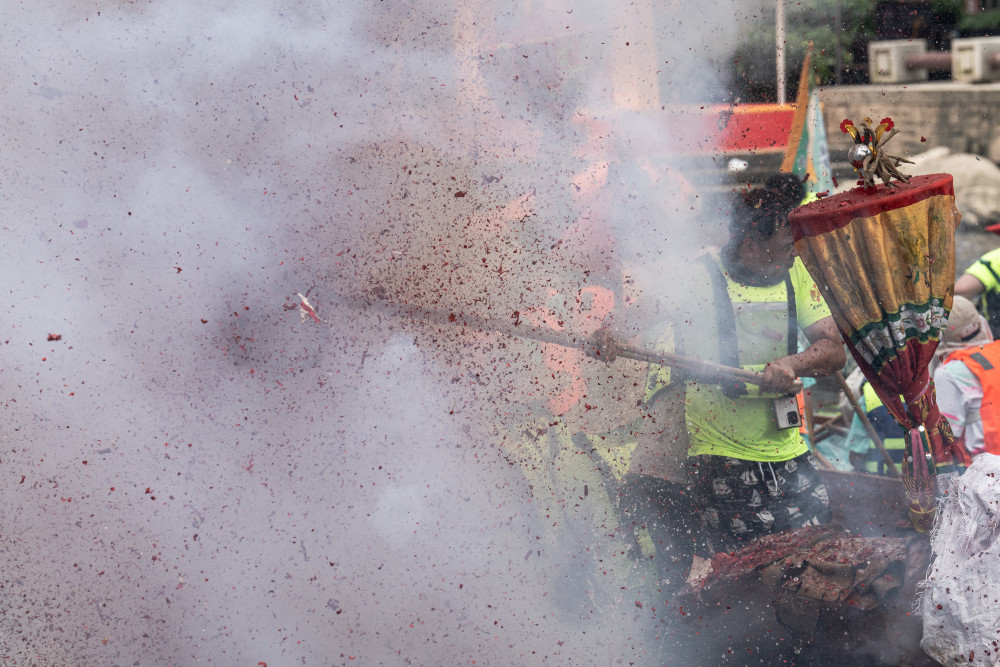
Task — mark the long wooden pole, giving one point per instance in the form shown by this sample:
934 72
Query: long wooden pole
704 371
889 463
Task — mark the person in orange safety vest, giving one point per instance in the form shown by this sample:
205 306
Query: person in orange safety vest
968 378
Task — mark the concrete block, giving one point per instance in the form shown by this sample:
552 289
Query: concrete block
887 61
972 59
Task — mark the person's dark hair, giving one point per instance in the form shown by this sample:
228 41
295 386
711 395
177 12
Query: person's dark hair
787 184
758 214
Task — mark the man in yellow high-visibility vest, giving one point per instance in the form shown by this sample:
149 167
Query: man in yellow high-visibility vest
750 470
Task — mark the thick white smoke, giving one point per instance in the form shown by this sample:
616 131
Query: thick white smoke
192 472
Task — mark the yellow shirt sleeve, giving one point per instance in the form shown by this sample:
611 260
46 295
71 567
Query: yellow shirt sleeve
810 307
982 273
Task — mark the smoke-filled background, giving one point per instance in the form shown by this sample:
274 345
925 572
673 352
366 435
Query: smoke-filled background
194 470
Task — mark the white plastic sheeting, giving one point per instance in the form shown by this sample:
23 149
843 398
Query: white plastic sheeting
961 602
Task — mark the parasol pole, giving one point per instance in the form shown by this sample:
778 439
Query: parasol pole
807 415
890 464
704 371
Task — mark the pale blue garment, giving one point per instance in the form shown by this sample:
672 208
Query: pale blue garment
833 449
857 439
838 448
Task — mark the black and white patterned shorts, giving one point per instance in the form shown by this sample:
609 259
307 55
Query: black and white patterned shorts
741 500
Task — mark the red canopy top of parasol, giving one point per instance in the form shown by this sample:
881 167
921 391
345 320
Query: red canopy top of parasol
831 213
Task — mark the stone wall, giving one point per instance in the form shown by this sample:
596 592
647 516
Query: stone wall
963 117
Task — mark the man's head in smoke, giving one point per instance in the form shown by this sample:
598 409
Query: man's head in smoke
761 248
787 184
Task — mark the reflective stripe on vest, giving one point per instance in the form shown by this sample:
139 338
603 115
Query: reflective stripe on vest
984 362
874 463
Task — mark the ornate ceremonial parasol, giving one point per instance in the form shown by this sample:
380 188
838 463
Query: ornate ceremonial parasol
884 257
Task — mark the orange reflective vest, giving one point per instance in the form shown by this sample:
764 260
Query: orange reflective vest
984 362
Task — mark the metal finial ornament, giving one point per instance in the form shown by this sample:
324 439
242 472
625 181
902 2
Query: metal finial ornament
868 156
858 154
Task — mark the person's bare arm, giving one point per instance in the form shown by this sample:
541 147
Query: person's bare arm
825 355
969 286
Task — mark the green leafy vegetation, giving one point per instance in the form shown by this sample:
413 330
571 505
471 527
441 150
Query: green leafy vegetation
755 66
754 71
981 23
